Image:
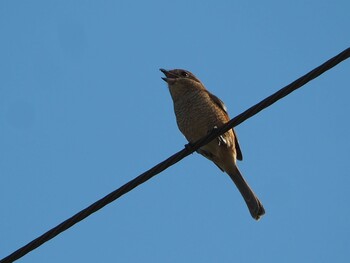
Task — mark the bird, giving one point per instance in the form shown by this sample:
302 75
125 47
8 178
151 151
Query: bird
197 113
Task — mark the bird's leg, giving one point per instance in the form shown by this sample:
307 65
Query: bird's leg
189 146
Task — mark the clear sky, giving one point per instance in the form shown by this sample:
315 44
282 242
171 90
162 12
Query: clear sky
83 110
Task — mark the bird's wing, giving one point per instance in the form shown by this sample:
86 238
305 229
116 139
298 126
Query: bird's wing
222 106
239 154
218 102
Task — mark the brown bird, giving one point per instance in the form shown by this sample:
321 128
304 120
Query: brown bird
198 112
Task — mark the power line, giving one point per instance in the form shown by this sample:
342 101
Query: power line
176 157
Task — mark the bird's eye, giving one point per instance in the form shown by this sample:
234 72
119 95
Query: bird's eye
185 74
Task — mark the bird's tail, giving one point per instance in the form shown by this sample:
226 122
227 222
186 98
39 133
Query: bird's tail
256 208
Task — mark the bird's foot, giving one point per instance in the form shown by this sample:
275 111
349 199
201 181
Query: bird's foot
189 146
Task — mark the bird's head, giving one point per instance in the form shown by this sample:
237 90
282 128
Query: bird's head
181 81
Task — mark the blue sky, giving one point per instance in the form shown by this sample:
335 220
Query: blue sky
83 110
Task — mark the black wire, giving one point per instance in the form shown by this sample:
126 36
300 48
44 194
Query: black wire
176 157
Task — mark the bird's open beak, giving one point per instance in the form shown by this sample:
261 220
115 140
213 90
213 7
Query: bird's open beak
169 77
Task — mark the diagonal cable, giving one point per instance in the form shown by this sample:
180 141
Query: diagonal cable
176 157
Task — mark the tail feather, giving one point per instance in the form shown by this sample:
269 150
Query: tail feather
255 207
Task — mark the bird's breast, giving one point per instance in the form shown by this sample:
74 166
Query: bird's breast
197 114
